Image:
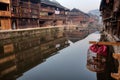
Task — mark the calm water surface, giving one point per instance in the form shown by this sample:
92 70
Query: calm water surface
68 64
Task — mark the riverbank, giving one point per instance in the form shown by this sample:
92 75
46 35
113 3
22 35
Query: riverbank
24 49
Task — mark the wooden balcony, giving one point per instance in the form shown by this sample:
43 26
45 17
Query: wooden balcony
28 15
5 14
62 17
53 17
47 10
62 12
24 4
34 16
29 5
47 17
15 3
34 6
5 1
14 15
25 15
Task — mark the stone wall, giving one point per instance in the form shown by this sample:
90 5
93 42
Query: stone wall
22 39
21 50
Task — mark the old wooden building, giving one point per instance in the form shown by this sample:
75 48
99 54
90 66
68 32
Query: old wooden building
110 12
20 14
5 14
78 17
52 13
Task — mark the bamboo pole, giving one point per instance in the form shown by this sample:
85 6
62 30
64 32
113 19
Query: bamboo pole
105 43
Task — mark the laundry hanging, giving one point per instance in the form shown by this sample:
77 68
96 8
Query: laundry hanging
96 58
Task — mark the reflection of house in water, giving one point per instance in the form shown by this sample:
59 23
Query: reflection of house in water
76 34
79 26
28 49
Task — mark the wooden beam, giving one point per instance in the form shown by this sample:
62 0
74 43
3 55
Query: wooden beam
105 43
5 1
116 56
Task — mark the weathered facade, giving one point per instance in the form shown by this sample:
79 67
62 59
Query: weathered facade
18 48
52 13
78 17
111 18
19 14
5 14
110 12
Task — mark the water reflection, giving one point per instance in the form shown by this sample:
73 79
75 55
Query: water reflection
38 62
69 64
18 57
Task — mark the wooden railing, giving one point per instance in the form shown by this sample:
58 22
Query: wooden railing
34 6
53 17
14 15
60 17
24 4
5 13
15 3
25 15
47 17
47 9
29 5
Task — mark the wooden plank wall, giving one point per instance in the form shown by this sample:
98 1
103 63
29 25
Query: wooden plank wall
5 24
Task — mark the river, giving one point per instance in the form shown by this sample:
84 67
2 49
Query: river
68 64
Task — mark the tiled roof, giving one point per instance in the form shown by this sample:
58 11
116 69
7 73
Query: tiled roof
75 10
79 11
55 4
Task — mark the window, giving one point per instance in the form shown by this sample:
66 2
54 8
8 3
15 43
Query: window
14 9
4 7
